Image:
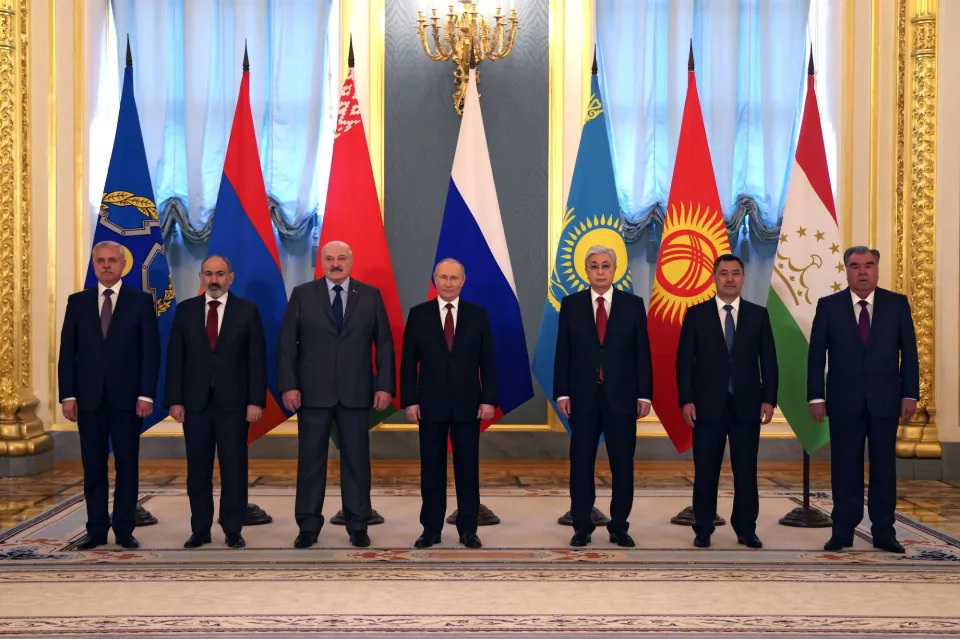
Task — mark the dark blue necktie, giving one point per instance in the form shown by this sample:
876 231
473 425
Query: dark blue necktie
338 306
728 331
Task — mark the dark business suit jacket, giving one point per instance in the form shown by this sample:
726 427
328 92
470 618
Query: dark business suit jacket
877 374
237 365
624 355
119 368
448 384
329 366
704 366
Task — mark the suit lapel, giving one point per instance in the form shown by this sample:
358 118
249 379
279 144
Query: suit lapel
352 299
324 294
229 320
879 316
93 299
590 318
713 316
121 306
852 315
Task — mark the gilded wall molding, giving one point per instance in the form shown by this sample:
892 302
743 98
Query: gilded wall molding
21 433
918 438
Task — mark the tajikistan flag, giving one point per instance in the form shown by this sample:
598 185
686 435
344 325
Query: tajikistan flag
809 265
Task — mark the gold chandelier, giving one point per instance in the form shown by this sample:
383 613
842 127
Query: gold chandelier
465 33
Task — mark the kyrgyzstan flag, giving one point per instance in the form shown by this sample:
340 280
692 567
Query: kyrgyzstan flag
352 215
694 236
243 233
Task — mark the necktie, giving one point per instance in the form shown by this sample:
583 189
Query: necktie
106 312
601 327
864 321
338 306
448 326
728 332
212 321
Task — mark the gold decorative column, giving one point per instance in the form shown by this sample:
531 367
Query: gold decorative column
916 218
24 446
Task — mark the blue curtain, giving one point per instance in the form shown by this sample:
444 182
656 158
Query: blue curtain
187 58
750 67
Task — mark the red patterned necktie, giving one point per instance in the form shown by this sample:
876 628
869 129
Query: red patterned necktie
601 326
448 326
106 312
212 320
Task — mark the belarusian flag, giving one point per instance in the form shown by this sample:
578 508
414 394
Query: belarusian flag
352 215
809 265
694 236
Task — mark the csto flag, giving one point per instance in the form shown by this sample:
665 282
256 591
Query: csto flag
128 216
472 232
592 218
694 236
242 232
352 215
809 265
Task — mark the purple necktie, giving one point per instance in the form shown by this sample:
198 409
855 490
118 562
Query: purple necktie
864 321
106 312
448 326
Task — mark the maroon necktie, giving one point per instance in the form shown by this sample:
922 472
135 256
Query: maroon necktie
212 329
601 326
106 312
864 321
448 326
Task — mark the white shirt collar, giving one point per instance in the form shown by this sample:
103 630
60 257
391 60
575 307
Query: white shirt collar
222 300
455 301
735 304
331 284
607 297
856 298
115 288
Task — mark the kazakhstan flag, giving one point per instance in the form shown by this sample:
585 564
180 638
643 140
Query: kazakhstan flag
128 216
592 217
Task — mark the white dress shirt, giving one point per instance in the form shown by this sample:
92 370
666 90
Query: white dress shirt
223 304
443 311
723 313
343 294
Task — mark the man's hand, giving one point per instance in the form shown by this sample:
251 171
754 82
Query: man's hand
176 411
563 405
690 414
413 413
818 410
766 413
291 400
643 408
381 399
254 413
70 410
144 408
907 408
485 412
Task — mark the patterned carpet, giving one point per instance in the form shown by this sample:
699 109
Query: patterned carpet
526 581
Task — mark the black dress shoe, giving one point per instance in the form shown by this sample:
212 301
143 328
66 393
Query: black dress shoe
580 539
470 540
129 541
196 540
90 542
835 544
750 541
425 541
622 539
360 539
890 545
701 541
235 540
305 540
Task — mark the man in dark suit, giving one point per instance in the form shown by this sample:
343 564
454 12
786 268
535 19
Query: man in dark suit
216 386
325 374
727 387
603 381
873 379
448 384
108 367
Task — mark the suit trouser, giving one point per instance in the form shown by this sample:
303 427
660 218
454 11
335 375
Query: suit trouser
465 438
223 432
97 429
848 433
620 434
313 443
709 441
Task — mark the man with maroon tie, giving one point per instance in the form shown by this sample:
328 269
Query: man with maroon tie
864 337
216 386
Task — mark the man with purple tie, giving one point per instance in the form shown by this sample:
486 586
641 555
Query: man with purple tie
864 336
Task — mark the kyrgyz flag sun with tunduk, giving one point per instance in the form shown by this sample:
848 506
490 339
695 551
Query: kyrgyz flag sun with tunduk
694 236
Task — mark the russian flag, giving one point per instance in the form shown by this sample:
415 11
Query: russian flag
472 232
242 232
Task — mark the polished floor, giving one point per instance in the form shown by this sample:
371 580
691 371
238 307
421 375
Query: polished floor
936 503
